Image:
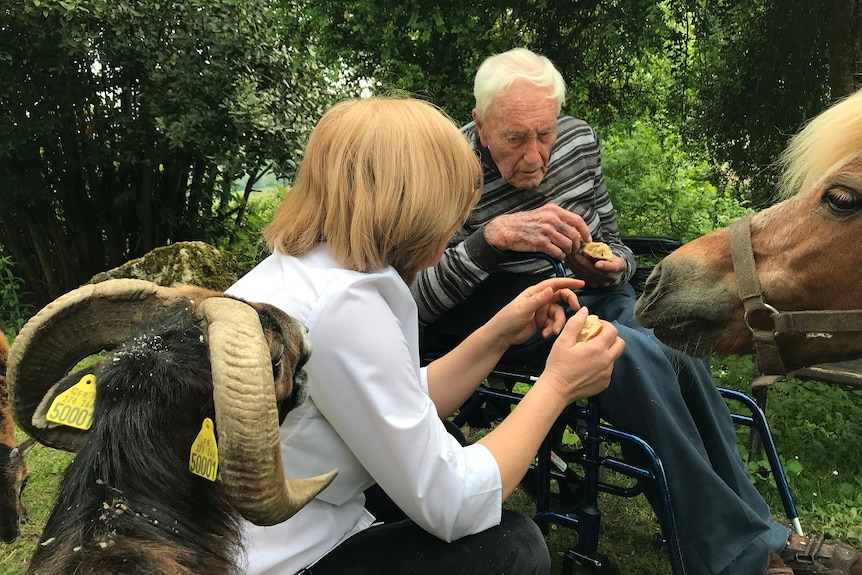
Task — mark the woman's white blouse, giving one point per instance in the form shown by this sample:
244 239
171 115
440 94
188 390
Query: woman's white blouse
368 414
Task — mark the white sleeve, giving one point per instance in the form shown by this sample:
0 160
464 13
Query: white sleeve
366 382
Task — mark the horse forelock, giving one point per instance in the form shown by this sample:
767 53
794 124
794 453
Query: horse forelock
829 137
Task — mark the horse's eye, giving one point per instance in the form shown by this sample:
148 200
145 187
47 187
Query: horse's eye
841 201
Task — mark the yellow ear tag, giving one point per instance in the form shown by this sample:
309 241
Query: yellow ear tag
203 460
74 407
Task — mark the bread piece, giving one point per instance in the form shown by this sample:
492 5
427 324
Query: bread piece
592 326
597 251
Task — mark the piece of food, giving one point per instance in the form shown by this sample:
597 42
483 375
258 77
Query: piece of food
591 327
597 251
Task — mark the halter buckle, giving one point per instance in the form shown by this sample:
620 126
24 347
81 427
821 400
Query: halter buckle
761 319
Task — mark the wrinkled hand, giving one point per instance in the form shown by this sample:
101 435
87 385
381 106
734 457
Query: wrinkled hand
581 369
599 273
536 309
550 229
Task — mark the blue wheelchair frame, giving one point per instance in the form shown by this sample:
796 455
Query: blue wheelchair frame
585 516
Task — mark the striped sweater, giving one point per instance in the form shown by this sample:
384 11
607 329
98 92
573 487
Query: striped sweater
574 180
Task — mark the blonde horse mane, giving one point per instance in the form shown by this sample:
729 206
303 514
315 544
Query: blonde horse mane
832 135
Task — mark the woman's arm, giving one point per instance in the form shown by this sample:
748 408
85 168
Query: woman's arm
453 378
364 378
574 370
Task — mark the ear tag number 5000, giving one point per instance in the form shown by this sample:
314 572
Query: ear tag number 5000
74 407
203 459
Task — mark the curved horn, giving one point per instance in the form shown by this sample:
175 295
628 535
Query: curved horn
250 465
83 322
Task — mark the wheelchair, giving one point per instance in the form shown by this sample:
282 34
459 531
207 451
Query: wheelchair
565 480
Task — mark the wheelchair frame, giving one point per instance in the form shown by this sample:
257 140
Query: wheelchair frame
585 516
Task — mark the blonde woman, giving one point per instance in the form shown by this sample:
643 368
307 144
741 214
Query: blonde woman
383 185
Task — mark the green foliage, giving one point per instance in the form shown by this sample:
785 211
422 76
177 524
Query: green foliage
816 427
247 244
427 49
14 309
763 69
659 188
126 123
433 49
736 77
46 468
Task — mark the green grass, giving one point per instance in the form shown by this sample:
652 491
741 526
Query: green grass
816 428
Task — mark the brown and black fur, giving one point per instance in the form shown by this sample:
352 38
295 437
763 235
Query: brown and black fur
128 503
13 471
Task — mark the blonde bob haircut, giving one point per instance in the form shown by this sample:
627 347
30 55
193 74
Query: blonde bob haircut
384 182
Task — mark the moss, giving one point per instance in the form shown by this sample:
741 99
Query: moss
195 263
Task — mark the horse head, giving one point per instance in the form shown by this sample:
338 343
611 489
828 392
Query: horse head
805 251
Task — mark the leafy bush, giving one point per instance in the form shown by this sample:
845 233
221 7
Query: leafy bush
660 188
14 308
247 242
816 427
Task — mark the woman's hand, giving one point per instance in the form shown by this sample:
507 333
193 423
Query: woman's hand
536 309
454 377
581 369
573 370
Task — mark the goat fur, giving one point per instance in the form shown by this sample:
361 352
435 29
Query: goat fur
13 470
128 503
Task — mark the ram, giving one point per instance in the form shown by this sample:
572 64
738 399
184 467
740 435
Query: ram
13 471
187 369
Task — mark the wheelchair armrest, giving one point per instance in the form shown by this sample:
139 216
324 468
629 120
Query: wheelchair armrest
651 249
655 246
556 264
647 246
651 245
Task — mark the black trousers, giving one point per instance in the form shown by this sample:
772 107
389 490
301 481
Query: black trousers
515 547
400 547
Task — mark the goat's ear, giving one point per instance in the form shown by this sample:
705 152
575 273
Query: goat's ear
40 415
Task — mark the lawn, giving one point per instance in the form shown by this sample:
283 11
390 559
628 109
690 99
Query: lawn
816 428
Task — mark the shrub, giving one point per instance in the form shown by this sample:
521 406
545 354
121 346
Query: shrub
660 188
247 242
14 307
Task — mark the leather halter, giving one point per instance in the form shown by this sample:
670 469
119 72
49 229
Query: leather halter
766 322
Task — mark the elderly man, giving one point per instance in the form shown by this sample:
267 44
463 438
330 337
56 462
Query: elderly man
544 192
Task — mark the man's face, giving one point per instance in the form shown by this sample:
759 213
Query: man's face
519 131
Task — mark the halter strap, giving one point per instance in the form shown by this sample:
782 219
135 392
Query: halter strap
765 322
767 356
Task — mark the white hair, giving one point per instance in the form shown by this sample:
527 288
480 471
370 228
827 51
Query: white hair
498 72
